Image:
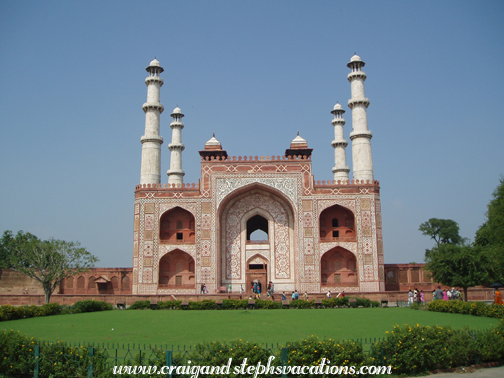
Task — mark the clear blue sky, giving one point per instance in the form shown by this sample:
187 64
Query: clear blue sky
72 88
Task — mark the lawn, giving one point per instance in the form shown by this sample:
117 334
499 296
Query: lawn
265 326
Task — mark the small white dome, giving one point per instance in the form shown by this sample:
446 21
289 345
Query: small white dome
298 140
337 106
356 58
212 142
154 63
177 110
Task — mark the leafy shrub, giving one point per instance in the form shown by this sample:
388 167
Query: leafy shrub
415 349
301 303
205 304
268 305
8 312
335 302
234 304
365 302
218 354
90 306
140 305
472 308
50 309
172 305
312 350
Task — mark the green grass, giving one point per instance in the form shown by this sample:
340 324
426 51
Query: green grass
265 326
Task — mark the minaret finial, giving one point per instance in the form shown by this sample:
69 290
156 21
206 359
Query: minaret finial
214 135
298 132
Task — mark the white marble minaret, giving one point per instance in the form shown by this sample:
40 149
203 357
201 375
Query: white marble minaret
150 171
360 136
175 173
339 144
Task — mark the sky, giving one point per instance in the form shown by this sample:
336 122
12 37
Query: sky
254 72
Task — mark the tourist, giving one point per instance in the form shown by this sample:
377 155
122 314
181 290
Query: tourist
422 297
205 291
449 294
410 297
438 293
254 289
328 295
202 288
453 294
498 297
272 287
295 295
445 295
418 298
283 296
229 288
305 296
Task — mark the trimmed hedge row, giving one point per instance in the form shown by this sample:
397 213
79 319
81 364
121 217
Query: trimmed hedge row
407 349
471 308
8 312
235 304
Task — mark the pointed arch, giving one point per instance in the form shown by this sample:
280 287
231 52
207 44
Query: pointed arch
177 226
338 268
176 270
337 223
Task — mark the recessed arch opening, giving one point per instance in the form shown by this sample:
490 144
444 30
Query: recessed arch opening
338 267
337 223
177 226
176 270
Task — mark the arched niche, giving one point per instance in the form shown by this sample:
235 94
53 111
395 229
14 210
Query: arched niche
338 267
337 223
176 270
177 226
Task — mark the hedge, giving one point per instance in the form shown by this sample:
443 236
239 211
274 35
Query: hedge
235 304
9 312
471 308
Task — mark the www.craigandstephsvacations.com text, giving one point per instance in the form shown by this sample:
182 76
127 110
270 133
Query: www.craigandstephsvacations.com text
324 368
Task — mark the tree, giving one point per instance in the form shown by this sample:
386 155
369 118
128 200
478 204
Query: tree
459 266
8 242
49 261
443 231
490 235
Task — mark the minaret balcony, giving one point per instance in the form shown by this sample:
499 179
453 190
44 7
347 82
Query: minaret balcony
154 79
151 138
153 106
359 101
339 143
356 75
176 147
361 134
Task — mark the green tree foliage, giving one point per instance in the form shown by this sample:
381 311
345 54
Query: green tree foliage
490 235
459 266
8 242
442 231
47 261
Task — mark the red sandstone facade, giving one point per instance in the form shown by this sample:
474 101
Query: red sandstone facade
321 236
